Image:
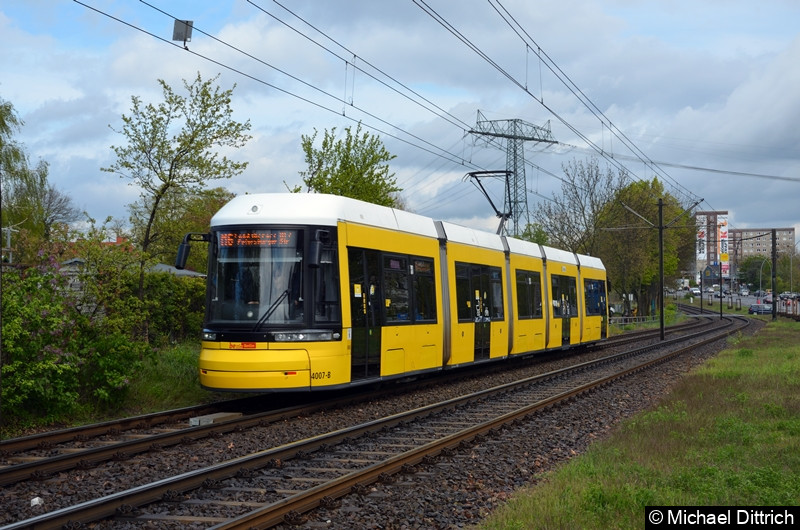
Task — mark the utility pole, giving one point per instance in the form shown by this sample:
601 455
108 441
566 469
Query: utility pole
774 274
661 227
516 132
661 266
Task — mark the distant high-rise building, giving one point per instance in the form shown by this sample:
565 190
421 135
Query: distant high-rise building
716 243
747 242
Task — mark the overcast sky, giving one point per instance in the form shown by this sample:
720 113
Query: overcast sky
709 91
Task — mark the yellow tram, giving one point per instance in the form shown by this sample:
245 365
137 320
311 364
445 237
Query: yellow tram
312 291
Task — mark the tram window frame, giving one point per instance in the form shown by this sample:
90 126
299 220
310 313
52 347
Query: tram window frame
529 294
418 275
595 303
564 289
485 281
496 303
423 301
396 292
463 293
326 299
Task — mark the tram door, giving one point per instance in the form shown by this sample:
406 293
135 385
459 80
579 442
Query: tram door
366 313
483 324
480 300
565 304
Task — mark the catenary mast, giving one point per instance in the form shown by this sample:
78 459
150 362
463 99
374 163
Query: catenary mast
516 132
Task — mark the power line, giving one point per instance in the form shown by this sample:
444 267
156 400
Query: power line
698 168
435 150
579 94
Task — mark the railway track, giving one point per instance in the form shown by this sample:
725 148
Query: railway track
279 484
43 455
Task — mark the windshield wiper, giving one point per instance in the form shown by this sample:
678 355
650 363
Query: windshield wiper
270 310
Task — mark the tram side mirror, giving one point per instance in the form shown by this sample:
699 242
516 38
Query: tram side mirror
184 248
315 250
183 255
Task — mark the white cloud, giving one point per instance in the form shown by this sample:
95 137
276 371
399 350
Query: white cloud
684 90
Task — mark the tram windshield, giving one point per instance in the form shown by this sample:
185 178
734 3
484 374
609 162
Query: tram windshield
256 276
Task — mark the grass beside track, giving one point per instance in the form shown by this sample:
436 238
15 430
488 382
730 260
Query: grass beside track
729 434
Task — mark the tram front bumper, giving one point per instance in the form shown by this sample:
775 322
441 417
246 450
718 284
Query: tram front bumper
254 369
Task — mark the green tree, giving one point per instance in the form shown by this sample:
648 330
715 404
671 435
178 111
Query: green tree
31 206
572 219
355 166
754 272
36 205
12 156
66 336
628 243
535 234
182 211
172 148
12 160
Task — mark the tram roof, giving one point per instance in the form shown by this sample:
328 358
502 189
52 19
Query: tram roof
469 236
317 209
326 210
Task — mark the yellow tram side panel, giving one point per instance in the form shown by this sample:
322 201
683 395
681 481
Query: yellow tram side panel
409 349
259 365
563 269
529 333
592 324
405 348
462 335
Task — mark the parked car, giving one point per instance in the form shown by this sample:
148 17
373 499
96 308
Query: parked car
695 291
744 292
767 299
760 293
760 309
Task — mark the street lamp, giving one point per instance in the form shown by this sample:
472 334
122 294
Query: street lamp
791 268
759 273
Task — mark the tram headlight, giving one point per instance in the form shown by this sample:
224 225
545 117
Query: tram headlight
301 336
209 335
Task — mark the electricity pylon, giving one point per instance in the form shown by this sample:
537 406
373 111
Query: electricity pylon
516 132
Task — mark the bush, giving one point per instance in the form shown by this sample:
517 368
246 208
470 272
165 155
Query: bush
175 307
56 358
74 336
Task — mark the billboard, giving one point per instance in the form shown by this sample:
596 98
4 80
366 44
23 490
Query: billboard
702 238
722 237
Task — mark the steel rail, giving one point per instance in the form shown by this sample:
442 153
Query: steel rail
277 513
94 456
123 501
42 467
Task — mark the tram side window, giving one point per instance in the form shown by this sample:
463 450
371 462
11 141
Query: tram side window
595 295
529 294
463 294
572 296
479 292
326 288
565 296
496 293
395 278
424 290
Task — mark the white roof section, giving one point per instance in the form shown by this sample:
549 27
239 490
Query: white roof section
562 256
327 210
520 246
317 209
592 262
469 236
